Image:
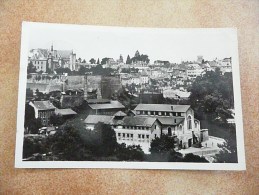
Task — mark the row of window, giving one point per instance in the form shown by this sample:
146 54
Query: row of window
45 114
130 135
135 127
159 113
38 62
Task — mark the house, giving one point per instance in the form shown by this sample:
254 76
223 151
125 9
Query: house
43 110
104 106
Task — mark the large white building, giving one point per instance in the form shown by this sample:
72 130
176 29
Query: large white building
151 121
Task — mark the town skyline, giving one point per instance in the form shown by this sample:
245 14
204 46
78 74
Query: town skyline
98 42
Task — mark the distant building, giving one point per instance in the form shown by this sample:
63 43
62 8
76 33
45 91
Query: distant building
161 63
194 71
48 60
43 110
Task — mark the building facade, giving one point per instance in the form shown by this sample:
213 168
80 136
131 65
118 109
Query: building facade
43 110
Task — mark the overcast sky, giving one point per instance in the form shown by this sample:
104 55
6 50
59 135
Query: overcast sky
173 45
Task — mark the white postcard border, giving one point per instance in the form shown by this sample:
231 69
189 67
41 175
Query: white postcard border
241 165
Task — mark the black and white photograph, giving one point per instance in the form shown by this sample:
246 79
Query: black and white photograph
129 98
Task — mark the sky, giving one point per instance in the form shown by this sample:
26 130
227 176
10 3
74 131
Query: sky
96 42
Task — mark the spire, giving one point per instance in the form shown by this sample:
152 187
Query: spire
52 47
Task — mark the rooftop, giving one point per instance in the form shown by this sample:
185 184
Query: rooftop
111 105
94 119
162 107
170 120
97 101
43 105
66 111
135 121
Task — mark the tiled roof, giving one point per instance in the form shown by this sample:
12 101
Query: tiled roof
162 107
43 105
94 119
135 121
96 101
170 120
111 105
64 53
66 111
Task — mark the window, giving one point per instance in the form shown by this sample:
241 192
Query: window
155 135
143 136
174 113
155 126
127 135
123 135
131 135
189 122
119 134
178 113
139 135
174 120
147 136
169 131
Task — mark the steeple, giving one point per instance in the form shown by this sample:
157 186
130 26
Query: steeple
52 47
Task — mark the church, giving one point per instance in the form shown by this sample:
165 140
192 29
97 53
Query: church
45 60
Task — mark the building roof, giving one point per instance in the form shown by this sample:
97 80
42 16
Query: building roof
96 101
111 105
94 119
43 105
64 53
135 121
65 112
170 120
120 113
162 107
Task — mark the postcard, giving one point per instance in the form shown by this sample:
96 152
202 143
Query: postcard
129 98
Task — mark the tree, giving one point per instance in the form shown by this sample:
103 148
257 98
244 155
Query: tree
137 54
194 158
92 61
83 61
105 60
106 142
128 61
98 61
130 153
162 144
212 94
33 145
79 60
121 59
56 119
228 152
31 68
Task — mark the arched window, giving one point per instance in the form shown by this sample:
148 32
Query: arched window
169 131
180 127
196 124
189 122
